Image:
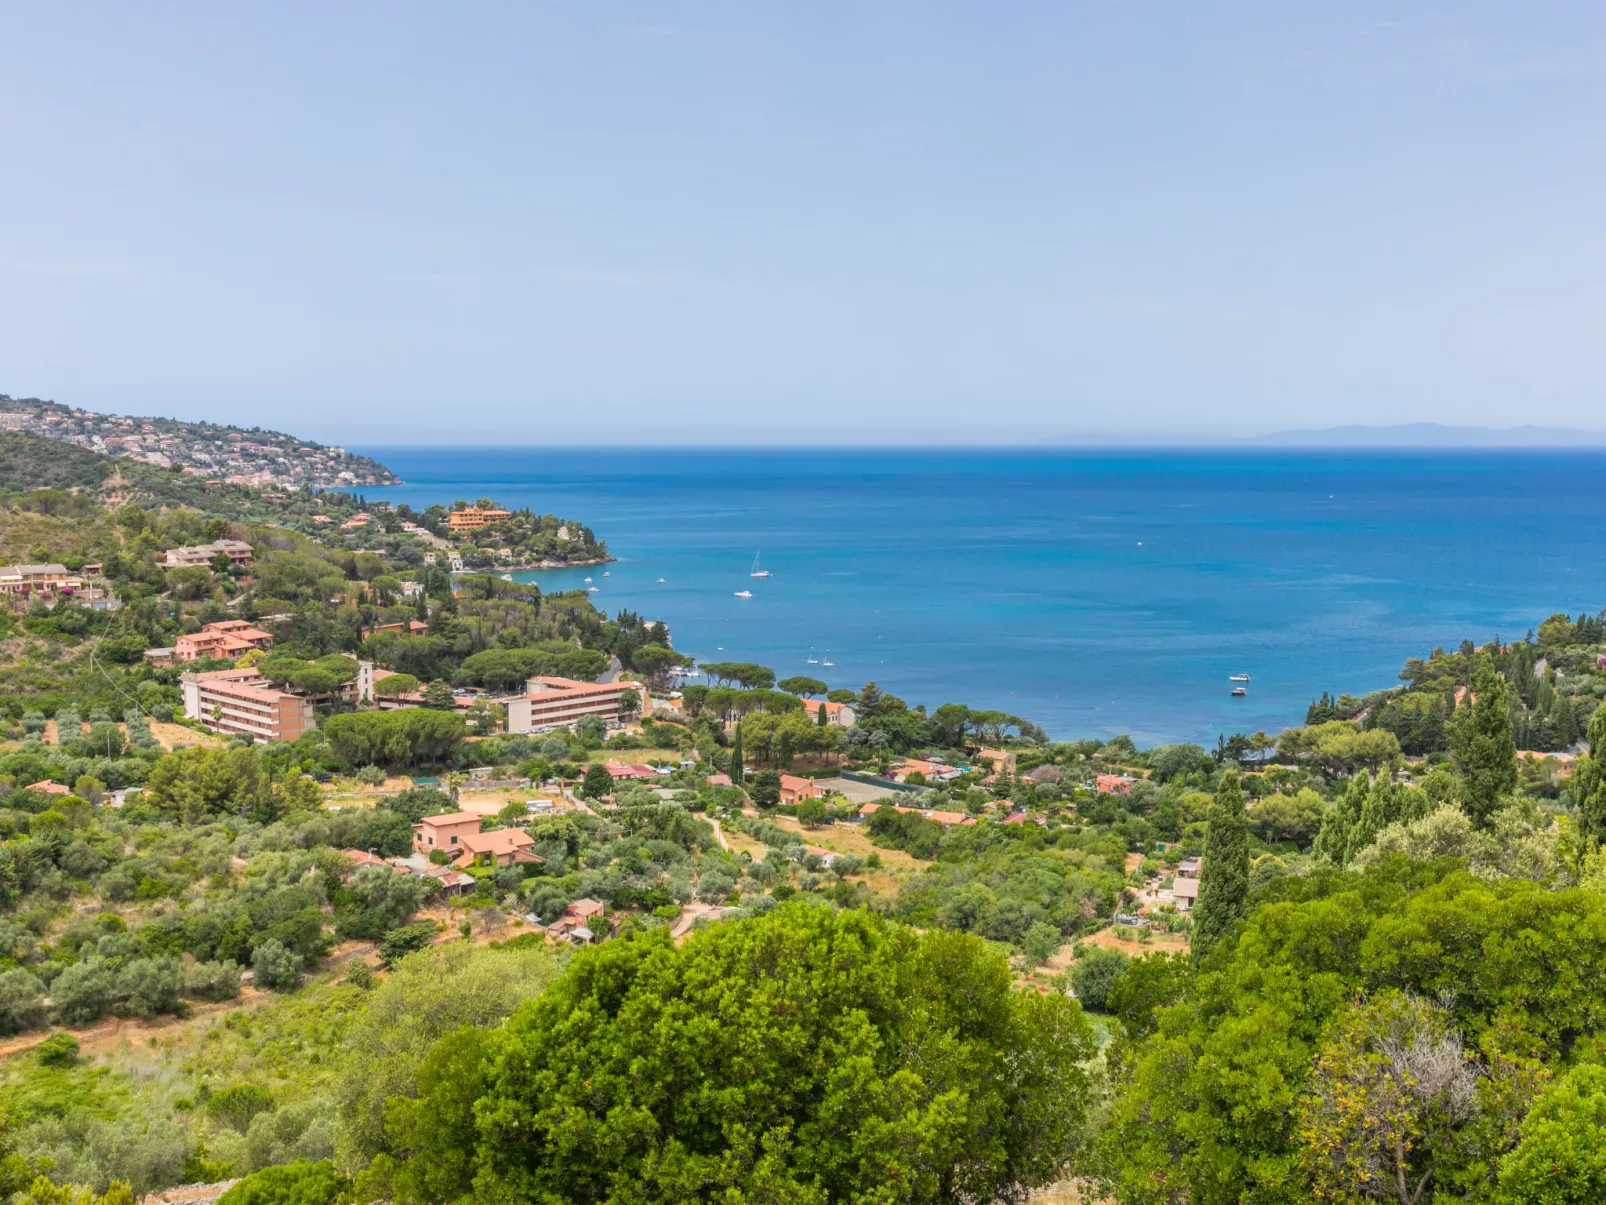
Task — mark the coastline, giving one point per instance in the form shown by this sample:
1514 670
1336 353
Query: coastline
605 560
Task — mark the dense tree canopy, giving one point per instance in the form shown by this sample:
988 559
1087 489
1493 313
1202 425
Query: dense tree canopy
808 1056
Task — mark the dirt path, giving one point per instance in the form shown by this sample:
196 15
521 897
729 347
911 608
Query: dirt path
103 1036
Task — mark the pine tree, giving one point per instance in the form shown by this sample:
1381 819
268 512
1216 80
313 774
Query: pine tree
1224 871
1482 745
736 758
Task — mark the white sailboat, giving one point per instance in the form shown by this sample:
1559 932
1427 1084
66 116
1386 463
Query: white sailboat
828 662
756 571
813 660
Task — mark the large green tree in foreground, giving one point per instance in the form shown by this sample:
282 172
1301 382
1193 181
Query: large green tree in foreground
808 1056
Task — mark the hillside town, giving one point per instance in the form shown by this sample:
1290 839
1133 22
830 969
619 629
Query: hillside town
199 449
265 782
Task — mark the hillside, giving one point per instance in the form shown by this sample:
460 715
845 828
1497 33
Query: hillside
212 451
332 518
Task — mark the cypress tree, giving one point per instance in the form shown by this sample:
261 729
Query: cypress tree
1385 805
1340 821
1224 871
1589 782
1482 745
736 757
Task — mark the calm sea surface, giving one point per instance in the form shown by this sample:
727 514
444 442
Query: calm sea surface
1095 592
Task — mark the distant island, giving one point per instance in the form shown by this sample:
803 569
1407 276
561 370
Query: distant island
1432 435
213 451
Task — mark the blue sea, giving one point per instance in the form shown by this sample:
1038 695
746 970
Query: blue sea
1094 592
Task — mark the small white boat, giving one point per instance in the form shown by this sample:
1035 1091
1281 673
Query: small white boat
813 660
828 660
744 594
588 580
1239 692
756 571
1239 678
660 581
507 577
592 590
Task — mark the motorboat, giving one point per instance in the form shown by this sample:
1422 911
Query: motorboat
660 581
1239 692
1239 678
744 594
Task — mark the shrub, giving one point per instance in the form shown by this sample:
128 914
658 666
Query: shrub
275 966
21 1001
235 1106
399 943
371 776
84 991
58 1050
212 981
149 987
298 1183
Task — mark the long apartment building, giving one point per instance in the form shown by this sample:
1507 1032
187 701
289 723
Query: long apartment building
473 517
239 701
556 702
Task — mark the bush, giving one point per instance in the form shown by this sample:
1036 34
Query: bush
401 942
235 1106
298 1183
84 991
1095 974
149 987
212 981
276 967
58 1050
21 1001
371 776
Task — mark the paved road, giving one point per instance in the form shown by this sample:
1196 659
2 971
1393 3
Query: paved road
719 835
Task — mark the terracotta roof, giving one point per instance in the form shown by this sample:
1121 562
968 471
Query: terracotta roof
451 818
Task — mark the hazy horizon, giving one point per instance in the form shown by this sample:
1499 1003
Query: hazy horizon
757 224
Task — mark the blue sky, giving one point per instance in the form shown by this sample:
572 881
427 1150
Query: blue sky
525 222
